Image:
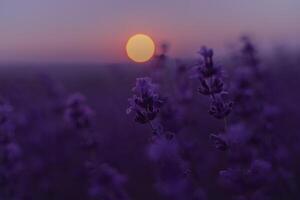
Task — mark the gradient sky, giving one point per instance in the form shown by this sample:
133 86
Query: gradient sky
97 30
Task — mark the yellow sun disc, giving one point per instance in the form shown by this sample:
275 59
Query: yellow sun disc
140 48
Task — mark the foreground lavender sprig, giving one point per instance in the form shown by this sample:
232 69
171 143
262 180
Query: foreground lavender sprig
146 103
212 85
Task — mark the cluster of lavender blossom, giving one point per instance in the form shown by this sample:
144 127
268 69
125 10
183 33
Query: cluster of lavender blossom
212 85
253 168
202 131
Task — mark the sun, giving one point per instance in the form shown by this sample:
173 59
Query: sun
140 48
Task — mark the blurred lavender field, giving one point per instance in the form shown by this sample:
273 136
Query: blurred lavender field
212 128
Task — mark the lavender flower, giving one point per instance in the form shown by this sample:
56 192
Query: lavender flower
146 102
161 59
207 68
215 86
212 85
77 112
219 108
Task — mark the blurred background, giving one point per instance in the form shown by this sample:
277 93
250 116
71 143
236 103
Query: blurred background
51 50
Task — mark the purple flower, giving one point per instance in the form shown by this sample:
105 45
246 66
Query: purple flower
219 108
146 102
77 112
214 86
211 84
206 68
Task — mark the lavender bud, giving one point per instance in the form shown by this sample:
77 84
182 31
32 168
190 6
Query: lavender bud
220 109
146 102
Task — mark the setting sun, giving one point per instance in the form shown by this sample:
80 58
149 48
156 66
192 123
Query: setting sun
140 48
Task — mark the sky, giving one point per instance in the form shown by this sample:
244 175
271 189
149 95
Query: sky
97 30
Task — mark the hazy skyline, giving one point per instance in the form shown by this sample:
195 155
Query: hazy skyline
97 30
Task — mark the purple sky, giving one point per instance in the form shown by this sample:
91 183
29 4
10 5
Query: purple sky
97 30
